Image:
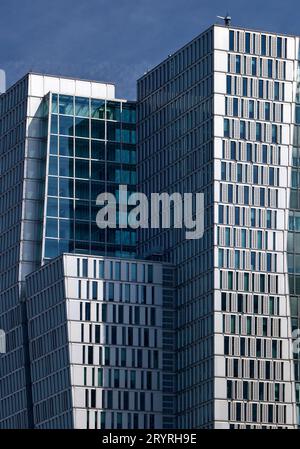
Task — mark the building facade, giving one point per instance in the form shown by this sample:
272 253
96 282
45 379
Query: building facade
62 142
219 116
101 340
106 330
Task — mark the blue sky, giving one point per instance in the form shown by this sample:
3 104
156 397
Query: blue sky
118 40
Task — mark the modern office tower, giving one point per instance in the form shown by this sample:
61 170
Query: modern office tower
62 142
91 149
219 116
101 339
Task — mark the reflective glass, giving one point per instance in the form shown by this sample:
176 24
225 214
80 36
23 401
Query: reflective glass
82 127
97 150
113 110
65 146
66 166
66 125
82 148
98 108
66 105
82 168
98 129
82 107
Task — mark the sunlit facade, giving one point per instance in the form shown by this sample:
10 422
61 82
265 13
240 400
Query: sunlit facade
218 117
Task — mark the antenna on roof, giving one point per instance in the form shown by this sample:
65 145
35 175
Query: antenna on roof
227 19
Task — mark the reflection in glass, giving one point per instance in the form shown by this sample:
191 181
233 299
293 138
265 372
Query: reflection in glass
98 129
66 125
51 227
82 107
66 166
66 105
66 187
98 108
82 127
113 111
65 146
81 168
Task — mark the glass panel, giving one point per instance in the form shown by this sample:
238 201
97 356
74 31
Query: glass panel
66 146
66 187
113 111
82 127
98 129
128 114
52 186
51 248
51 227
98 108
66 125
82 189
66 208
66 105
53 144
81 168
53 165
97 150
54 103
54 124
66 166
82 107
52 207
82 148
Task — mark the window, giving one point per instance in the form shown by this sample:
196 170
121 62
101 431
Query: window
247 42
84 267
111 291
242 129
253 66
228 84
95 290
231 40
279 47
270 68
263 45
226 127
238 64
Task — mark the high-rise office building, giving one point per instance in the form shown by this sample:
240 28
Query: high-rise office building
220 116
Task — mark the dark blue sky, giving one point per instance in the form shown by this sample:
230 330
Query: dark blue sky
118 40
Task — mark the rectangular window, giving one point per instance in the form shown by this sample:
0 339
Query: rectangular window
226 127
279 47
228 84
253 66
84 267
95 290
263 45
238 64
247 42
